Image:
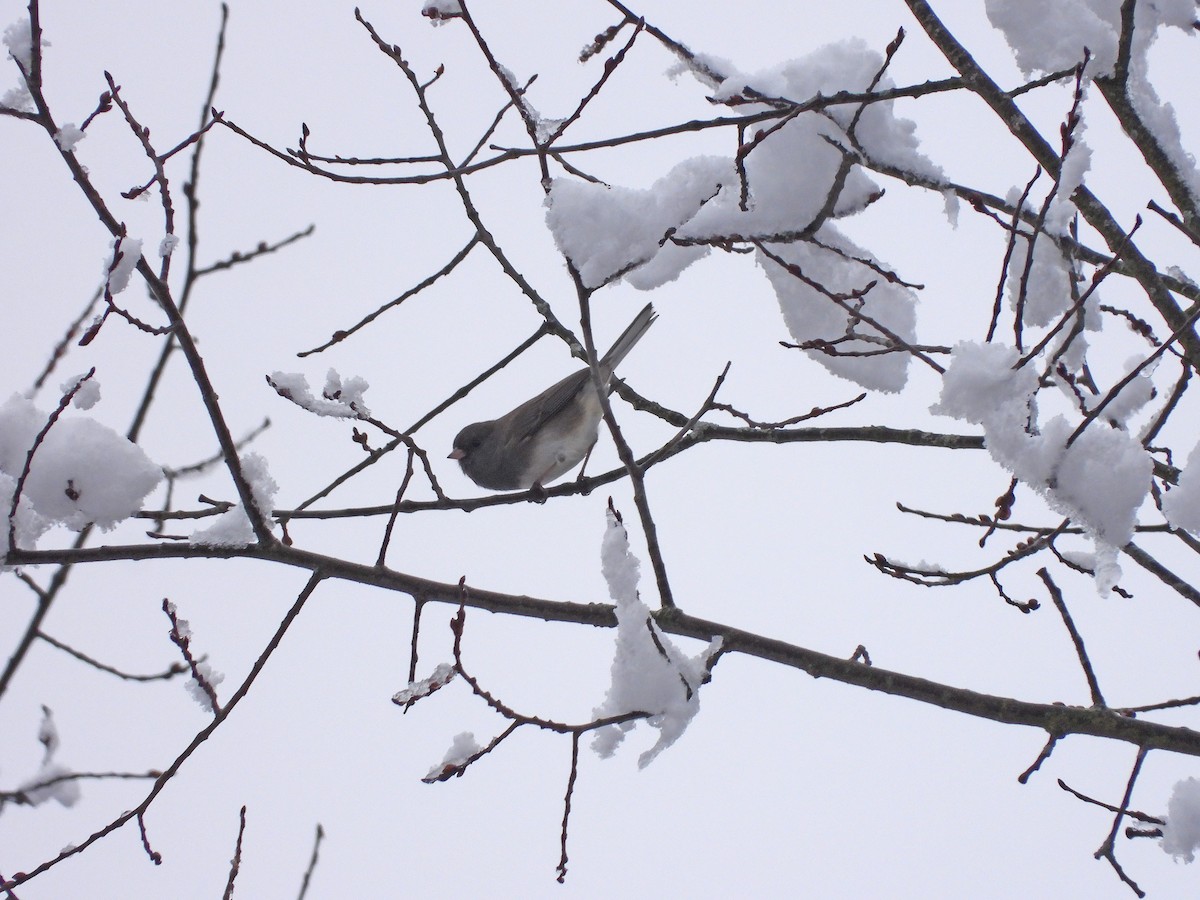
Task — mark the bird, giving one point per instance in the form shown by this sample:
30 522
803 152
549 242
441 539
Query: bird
548 435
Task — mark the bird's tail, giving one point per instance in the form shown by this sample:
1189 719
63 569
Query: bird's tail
629 337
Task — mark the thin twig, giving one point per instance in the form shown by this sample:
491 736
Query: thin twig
1076 639
312 862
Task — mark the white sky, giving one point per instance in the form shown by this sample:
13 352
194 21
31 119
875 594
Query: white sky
781 785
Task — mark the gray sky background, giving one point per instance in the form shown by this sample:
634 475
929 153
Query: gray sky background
782 785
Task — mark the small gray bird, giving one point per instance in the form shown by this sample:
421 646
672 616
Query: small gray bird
547 436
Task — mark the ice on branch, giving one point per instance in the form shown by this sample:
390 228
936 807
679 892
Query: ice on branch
340 399
416 690
605 231
82 473
232 528
120 263
1181 834
649 673
1100 480
167 245
1181 504
811 314
462 748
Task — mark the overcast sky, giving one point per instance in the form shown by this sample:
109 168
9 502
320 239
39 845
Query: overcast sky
782 785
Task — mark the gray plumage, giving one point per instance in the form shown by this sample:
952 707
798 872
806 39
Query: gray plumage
547 436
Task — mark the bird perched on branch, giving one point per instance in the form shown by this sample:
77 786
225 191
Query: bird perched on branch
548 435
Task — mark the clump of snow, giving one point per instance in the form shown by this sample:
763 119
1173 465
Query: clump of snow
1159 117
1181 275
82 473
28 524
950 199
181 626
232 528
606 231
791 172
1050 35
790 175
46 785
438 11
167 245
442 675
196 690
545 128
1099 480
795 181
649 673
53 781
88 394
66 484
1132 397
117 274
981 386
704 67
181 630
1048 287
1103 477
810 314
341 398
1181 834
18 38
848 65
17 98
68 136
1076 165
1181 504
462 748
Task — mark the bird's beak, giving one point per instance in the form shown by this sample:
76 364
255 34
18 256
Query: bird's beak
455 454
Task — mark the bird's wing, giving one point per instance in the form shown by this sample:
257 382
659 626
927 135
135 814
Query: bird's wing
533 414
530 416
